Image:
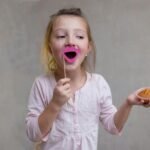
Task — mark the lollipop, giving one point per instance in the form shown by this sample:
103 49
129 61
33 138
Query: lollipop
70 54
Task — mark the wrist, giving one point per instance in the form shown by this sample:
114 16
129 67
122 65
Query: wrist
54 107
129 103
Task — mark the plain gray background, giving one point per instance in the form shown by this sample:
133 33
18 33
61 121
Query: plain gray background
121 30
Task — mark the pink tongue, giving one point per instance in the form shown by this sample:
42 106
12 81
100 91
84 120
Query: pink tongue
73 50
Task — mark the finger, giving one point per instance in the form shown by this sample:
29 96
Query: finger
67 94
140 101
66 86
63 81
146 104
70 94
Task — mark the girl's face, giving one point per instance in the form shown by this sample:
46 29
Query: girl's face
69 31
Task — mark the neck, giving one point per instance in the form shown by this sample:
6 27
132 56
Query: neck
78 78
73 75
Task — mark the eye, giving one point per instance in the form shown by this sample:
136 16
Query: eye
60 36
80 37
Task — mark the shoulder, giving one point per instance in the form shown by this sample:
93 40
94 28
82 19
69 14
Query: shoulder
44 80
43 85
98 78
98 81
99 86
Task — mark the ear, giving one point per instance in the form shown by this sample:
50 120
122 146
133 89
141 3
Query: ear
89 47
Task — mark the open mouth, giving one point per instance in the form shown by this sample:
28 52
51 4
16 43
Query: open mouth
70 54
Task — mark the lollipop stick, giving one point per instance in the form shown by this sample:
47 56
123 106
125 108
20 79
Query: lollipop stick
64 67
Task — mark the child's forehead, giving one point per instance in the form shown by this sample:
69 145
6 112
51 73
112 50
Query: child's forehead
70 21
70 17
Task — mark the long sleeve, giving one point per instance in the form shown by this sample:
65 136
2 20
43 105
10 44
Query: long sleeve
35 107
107 109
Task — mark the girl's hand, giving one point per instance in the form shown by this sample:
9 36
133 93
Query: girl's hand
62 92
134 100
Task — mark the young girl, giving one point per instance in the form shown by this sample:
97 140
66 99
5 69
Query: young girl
66 105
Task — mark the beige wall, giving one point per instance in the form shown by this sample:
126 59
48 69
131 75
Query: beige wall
121 29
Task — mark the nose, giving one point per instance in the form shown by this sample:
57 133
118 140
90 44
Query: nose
70 41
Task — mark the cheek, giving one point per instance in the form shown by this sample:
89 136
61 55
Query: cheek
56 44
56 49
57 54
85 47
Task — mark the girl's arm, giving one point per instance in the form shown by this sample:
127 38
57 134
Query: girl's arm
61 95
124 110
122 114
47 118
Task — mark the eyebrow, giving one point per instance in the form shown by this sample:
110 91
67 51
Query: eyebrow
76 30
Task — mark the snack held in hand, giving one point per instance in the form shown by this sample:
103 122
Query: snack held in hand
144 94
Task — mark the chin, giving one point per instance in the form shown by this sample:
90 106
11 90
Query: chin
69 69
72 67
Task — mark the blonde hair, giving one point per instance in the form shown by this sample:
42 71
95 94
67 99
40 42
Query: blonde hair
48 61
